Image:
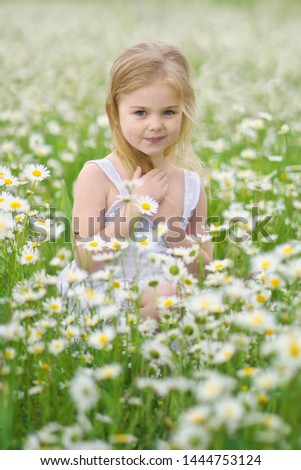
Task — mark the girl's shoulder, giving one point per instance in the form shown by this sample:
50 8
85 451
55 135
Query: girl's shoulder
93 174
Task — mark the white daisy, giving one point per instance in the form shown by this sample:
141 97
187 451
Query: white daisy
56 346
83 390
37 172
16 204
147 205
6 225
95 244
28 256
9 180
4 173
101 339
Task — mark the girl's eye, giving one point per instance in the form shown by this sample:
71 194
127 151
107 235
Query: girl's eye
169 112
140 113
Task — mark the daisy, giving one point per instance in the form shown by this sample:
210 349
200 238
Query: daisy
36 348
4 173
9 180
7 225
83 390
224 354
34 172
102 338
258 320
123 439
147 205
53 305
219 265
229 412
174 269
54 128
214 386
61 258
28 256
56 346
156 352
75 274
67 157
16 204
9 353
95 244
109 371
264 262
205 302
72 332
191 437
116 244
145 244
42 150
196 415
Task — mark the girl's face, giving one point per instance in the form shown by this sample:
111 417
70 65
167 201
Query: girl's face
150 118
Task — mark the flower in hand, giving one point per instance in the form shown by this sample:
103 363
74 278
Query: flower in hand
147 205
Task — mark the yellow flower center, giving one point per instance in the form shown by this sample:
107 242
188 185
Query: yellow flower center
94 244
28 257
263 399
146 206
228 354
15 205
54 306
90 293
294 349
266 264
102 339
269 332
198 419
121 438
275 282
257 320
36 173
261 298
8 354
205 303
219 266
287 250
8 181
108 373
168 303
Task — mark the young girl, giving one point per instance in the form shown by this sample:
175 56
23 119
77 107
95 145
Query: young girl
150 106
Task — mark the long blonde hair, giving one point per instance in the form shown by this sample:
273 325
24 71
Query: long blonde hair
136 67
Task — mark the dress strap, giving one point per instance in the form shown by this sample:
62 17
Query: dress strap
109 169
192 193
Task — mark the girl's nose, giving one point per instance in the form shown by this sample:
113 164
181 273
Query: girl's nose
155 124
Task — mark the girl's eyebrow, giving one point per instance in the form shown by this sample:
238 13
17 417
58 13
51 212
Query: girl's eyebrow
165 107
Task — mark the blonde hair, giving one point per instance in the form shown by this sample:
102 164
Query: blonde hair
136 67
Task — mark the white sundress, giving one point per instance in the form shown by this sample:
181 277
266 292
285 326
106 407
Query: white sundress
129 272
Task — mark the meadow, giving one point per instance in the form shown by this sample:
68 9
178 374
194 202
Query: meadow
222 369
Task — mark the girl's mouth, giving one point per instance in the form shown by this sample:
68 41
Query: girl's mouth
154 140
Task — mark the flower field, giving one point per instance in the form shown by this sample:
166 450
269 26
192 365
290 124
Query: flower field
222 370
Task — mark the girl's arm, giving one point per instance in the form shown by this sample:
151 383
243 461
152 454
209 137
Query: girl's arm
196 226
88 216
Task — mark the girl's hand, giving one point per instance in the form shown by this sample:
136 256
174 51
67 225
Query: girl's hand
153 184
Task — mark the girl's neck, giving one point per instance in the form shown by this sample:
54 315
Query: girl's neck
160 162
